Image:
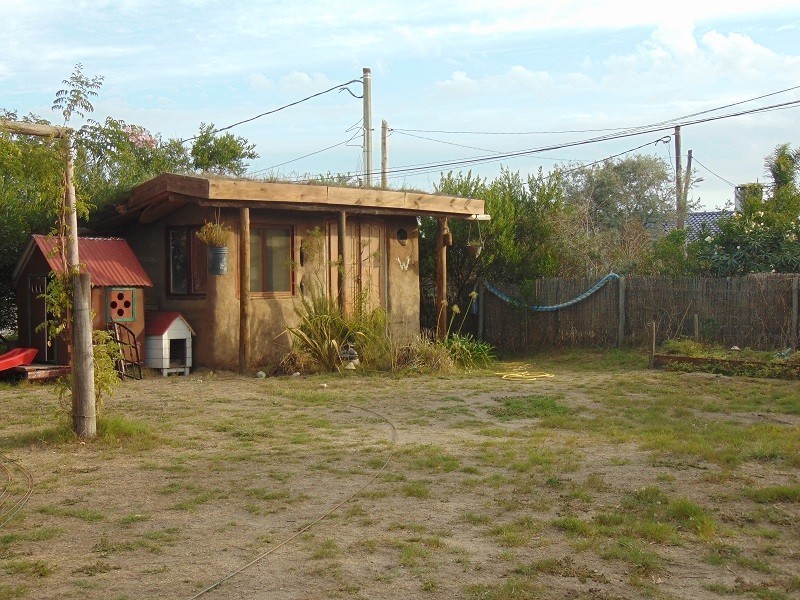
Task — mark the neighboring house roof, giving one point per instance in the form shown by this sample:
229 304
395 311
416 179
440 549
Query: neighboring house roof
168 192
158 323
109 261
697 222
702 222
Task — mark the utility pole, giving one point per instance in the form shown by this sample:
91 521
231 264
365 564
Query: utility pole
367 80
384 154
680 204
687 180
84 416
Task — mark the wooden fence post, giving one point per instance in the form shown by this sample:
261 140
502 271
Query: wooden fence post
481 311
622 303
795 301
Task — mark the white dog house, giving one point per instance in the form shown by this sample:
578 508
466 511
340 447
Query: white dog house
168 342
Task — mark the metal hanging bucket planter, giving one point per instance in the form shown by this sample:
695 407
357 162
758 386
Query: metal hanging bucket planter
474 250
218 260
474 244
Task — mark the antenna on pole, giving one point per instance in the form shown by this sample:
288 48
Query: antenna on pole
367 80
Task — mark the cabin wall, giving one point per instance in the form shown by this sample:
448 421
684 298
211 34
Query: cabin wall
403 277
215 315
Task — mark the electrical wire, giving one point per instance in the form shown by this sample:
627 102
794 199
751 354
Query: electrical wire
664 140
468 161
344 143
308 526
340 87
694 160
710 110
10 513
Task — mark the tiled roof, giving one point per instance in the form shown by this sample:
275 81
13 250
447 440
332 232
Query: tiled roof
110 261
696 222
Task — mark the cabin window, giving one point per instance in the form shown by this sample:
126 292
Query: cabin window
187 272
271 260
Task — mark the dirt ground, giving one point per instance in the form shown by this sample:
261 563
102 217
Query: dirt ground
418 487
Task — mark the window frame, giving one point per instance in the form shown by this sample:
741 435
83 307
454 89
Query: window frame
259 228
194 245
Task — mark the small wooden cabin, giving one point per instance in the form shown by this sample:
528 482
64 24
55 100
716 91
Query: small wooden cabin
118 282
357 246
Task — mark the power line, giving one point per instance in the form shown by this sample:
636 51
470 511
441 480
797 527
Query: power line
463 162
340 87
789 89
663 140
694 159
344 143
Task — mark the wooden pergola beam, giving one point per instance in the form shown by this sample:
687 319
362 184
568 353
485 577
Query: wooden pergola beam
318 197
40 130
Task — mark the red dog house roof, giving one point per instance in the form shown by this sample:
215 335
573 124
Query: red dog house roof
110 261
157 323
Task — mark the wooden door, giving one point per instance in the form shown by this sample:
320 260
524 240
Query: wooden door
37 314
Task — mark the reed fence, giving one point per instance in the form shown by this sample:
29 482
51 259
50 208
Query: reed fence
755 311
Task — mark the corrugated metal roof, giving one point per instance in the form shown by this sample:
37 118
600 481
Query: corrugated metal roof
157 323
110 261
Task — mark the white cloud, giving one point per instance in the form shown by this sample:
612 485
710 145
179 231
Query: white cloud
259 81
298 82
740 54
459 84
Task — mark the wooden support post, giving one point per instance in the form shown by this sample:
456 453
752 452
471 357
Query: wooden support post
441 278
680 207
341 275
621 309
652 361
83 399
244 290
84 417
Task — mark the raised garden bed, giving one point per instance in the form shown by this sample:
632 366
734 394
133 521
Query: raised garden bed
782 369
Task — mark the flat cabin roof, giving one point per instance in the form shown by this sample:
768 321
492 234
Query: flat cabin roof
168 192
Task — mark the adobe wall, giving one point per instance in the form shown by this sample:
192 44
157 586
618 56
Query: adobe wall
215 316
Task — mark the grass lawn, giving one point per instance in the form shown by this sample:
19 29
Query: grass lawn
606 480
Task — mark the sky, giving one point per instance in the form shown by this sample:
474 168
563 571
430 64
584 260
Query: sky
459 84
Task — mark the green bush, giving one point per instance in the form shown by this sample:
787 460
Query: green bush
468 352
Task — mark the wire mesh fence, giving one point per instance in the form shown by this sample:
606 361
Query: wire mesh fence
756 311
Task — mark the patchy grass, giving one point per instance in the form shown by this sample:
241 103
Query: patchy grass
586 484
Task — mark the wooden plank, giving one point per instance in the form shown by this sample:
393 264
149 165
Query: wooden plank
22 128
662 360
261 191
342 197
303 196
39 372
451 205
169 183
367 197
161 208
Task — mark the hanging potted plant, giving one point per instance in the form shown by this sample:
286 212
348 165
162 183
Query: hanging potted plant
474 244
215 235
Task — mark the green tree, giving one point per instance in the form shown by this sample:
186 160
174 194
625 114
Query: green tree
114 156
31 187
765 235
221 154
638 188
615 212
110 158
519 241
